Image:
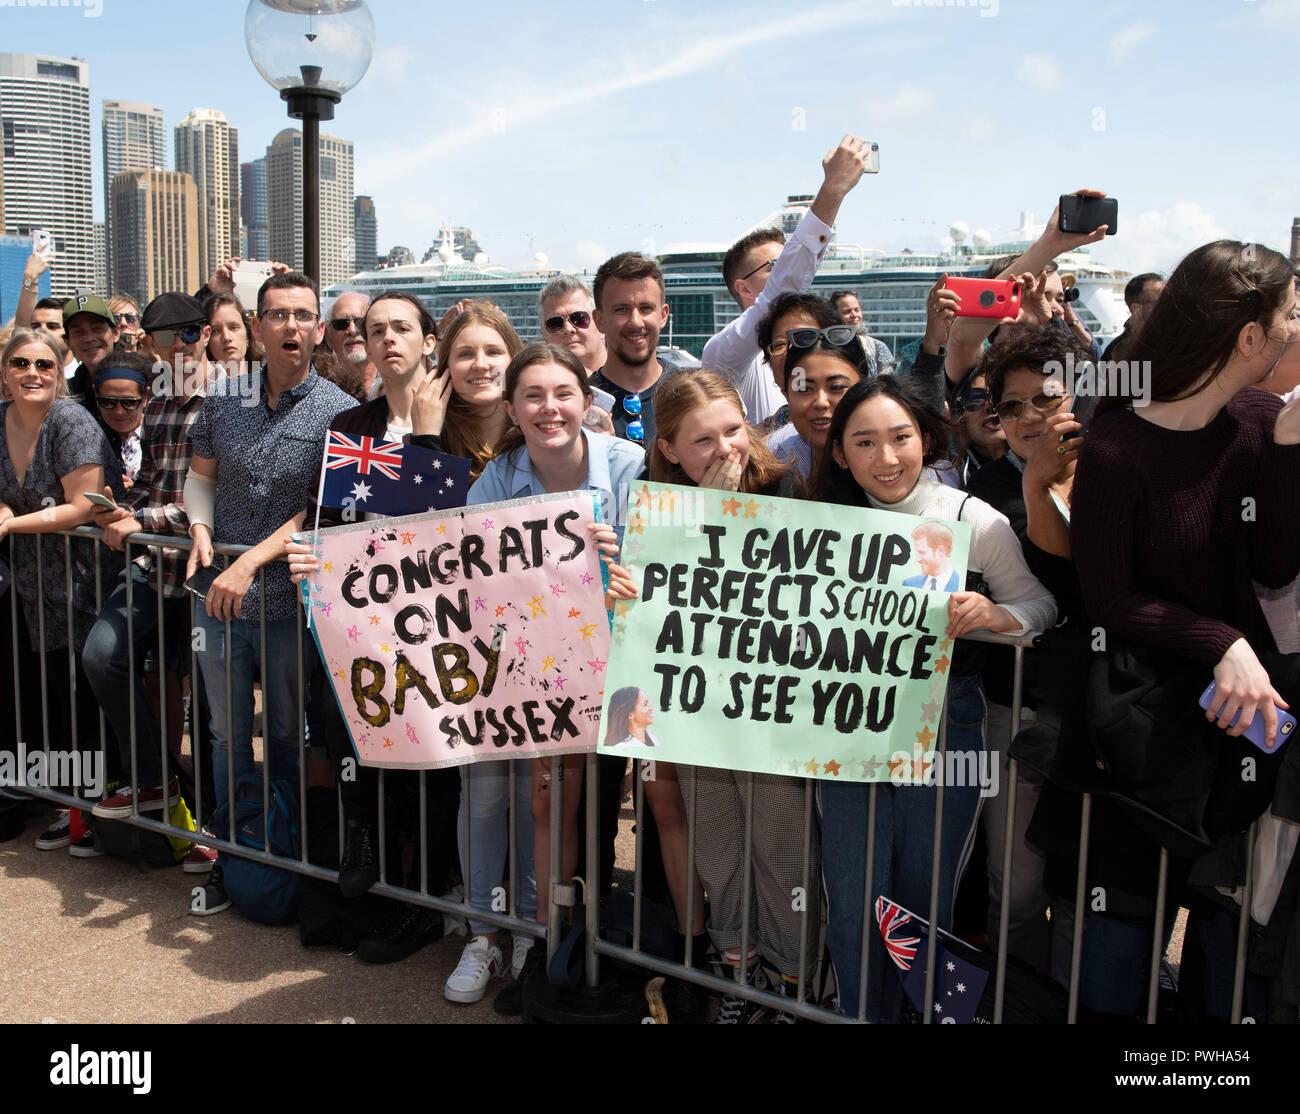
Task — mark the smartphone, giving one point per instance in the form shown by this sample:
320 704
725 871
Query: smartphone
603 399
100 500
1255 732
996 298
1087 214
248 279
202 580
43 244
873 159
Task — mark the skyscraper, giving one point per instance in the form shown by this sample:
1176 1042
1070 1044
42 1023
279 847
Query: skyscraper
366 231
156 233
45 130
252 204
101 251
284 204
207 149
134 139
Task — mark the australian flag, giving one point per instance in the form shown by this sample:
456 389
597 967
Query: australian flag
390 478
958 984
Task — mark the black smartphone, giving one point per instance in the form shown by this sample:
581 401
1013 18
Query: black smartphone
202 580
1079 213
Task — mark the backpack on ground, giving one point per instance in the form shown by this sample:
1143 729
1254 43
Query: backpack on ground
261 892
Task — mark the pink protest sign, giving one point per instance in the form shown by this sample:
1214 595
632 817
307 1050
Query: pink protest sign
465 635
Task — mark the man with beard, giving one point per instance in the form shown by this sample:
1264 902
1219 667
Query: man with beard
630 311
346 336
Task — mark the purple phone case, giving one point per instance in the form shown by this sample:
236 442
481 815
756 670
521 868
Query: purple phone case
1255 732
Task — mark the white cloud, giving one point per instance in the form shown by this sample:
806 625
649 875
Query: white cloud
392 64
978 126
1040 71
1129 38
1156 240
905 102
1281 13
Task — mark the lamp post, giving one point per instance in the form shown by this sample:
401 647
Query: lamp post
312 51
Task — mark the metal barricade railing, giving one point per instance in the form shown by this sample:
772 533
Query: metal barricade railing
811 924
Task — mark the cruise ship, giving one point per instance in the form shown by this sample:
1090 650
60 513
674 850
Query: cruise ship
891 288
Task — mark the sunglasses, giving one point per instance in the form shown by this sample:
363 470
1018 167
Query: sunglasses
22 363
1013 409
974 401
127 404
340 324
579 319
837 335
165 338
129 318
632 407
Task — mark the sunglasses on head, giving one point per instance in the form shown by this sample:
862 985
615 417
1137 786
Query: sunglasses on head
22 363
1014 409
579 319
340 324
127 404
835 335
165 338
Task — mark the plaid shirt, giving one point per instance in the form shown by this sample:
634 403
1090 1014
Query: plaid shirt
155 500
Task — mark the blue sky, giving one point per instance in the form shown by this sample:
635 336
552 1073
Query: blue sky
594 126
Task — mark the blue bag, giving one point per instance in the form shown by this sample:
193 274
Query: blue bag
262 892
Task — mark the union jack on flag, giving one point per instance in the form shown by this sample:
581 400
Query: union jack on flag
892 918
343 451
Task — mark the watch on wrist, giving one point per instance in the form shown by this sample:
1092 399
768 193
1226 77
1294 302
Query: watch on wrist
30 284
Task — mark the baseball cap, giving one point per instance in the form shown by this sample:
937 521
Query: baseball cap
172 310
93 304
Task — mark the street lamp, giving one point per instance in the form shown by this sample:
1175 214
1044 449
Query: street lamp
312 51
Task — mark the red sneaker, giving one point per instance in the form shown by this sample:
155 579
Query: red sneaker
148 800
199 860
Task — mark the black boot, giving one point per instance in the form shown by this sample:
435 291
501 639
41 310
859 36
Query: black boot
359 868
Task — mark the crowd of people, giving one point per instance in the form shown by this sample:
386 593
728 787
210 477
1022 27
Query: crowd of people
1157 534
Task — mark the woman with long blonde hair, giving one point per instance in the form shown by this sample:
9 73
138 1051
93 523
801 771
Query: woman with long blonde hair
479 344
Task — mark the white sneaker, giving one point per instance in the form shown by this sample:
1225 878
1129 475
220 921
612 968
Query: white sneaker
479 963
519 956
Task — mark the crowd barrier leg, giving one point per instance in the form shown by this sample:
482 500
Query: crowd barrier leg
303 824
591 891
688 930
1158 937
639 812
1243 927
936 862
867 911
1080 892
1008 845
555 853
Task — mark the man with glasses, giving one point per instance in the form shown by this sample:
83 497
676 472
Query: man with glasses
564 308
630 312
178 333
761 266
257 443
345 334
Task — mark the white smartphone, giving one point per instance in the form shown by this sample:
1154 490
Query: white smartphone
43 244
100 500
249 277
873 159
603 399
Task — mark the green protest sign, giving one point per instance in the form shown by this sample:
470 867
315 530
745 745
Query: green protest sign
781 636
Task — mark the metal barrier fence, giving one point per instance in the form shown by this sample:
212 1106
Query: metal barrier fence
559 899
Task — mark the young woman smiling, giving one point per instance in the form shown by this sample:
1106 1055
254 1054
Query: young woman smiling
884 433
703 441
545 449
475 349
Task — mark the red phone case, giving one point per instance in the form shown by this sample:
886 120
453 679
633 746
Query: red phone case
996 298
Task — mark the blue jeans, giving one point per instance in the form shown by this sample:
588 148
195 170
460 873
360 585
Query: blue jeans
107 663
904 848
279 695
485 792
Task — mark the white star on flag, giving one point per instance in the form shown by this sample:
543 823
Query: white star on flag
951 965
437 464
448 483
361 492
961 988
938 1008
417 478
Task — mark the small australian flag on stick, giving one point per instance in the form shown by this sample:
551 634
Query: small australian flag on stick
958 984
390 478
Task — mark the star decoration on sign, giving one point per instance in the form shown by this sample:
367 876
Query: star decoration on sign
643 497
557 590
810 767
407 537
587 578
574 613
925 737
945 645
388 743
410 733
559 682
636 524
548 662
480 604
340 675
832 767
929 709
536 604
751 509
900 769
361 492
521 646
730 506
770 508
501 610
622 608
667 501
941 666
588 631
442 526
386 647
329 566
327 607
374 620
597 666
487 522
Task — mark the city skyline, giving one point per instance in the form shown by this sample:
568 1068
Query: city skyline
656 123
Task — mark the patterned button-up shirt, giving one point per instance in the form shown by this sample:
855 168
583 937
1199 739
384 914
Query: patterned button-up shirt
265 461
155 500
